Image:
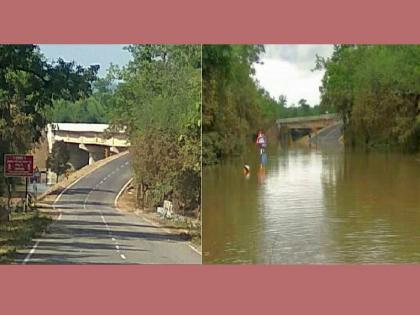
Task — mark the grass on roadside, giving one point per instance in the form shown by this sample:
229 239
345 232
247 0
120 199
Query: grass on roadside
19 232
193 227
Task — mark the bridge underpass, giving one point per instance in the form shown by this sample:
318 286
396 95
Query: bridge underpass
87 143
311 126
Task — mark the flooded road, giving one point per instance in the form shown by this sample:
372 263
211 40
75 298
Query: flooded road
312 206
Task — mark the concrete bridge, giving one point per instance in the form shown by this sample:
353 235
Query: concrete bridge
308 122
87 143
298 127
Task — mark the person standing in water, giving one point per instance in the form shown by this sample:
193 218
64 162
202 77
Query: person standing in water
261 141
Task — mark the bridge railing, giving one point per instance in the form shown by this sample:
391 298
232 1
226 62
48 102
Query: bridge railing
92 139
307 118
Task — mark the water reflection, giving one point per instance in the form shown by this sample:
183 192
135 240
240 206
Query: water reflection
261 170
312 206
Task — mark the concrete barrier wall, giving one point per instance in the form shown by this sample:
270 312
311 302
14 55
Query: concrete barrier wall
90 138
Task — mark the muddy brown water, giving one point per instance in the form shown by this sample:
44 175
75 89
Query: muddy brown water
312 206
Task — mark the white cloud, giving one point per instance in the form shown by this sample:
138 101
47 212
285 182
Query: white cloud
286 70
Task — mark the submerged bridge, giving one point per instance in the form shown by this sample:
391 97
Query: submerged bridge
87 143
297 127
308 122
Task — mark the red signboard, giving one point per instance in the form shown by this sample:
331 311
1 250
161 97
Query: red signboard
16 165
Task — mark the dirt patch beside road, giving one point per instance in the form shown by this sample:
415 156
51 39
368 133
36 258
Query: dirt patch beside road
188 228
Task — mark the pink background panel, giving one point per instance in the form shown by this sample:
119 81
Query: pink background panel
216 21
183 289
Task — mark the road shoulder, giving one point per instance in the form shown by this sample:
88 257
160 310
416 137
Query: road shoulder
187 228
46 213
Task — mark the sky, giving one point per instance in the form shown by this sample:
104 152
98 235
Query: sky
286 69
87 55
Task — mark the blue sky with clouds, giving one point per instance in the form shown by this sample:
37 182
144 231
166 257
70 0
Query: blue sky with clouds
287 70
87 55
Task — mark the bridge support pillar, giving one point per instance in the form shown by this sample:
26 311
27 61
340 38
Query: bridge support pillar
114 150
96 152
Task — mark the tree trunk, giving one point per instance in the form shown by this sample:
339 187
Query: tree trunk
140 196
4 214
4 209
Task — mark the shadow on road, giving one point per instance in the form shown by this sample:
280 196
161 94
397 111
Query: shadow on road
85 191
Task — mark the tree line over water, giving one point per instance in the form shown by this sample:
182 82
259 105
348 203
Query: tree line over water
234 105
157 98
376 90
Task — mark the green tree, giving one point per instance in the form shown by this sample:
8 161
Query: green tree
158 102
58 159
233 104
305 108
28 87
376 90
93 109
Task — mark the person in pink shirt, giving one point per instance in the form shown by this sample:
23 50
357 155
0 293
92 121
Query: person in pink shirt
261 140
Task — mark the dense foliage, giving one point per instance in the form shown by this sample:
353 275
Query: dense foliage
376 89
158 102
58 159
234 105
28 86
276 109
230 99
93 109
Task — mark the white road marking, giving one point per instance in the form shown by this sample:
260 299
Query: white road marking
121 191
33 249
106 224
170 232
147 220
194 249
109 229
31 252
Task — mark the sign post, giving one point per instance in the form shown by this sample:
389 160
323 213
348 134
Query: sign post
19 165
35 179
25 205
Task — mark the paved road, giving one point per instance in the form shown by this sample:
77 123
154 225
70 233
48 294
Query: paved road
90 230
329 135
